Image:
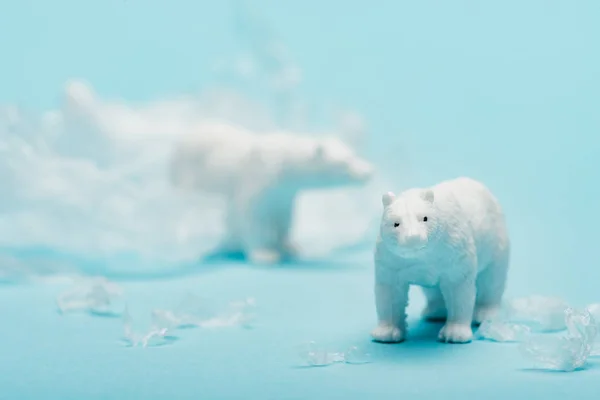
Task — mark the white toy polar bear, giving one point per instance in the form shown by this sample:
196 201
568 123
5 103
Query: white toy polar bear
260 176
452 240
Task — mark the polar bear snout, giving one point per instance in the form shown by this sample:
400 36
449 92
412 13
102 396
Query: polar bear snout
411 243
406 244
408 238
414 240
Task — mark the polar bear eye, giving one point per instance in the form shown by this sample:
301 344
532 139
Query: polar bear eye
396 224
425 219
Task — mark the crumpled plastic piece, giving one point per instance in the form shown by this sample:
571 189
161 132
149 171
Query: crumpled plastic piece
540 313
317 356
157 335
93 295
501 331
594 310
166 319
566 353
355 355
519 317
191 312
238 314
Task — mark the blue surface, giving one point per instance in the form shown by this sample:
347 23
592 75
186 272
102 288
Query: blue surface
503 91
79 356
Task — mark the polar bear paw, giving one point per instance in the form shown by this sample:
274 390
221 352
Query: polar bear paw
484 313
291 250
264 257
388 334
456 333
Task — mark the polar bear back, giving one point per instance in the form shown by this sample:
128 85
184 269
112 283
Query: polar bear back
474 211
218 157
211 158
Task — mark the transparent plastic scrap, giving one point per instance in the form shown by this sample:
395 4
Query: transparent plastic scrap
501 331
519 317
594 310
94 295
166 319
317 356
564 353
540 313
156 335
192 311
238 314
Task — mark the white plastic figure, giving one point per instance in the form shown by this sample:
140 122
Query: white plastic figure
260 176
451 239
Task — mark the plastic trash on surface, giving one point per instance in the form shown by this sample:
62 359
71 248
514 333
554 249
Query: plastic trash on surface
519 317
564 353
193 312
355 355
498 330
165 319
157 335
594 310
316 356
239 313
94 295
190 311
539 313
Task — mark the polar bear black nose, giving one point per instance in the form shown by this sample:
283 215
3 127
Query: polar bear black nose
396 224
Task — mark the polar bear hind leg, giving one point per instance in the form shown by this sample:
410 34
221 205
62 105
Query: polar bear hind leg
231 245
491 283
435 310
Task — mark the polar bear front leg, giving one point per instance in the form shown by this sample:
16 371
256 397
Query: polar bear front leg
231 242
284 220
391 299
260 242
254 224
459 296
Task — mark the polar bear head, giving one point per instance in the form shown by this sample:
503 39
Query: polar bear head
332 163
410 224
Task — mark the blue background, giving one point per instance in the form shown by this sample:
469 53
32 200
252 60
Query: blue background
502 91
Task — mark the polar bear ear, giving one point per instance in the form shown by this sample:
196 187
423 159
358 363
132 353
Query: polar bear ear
427 195
388 198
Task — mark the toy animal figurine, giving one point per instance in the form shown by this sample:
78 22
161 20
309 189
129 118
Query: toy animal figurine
260 176
451 239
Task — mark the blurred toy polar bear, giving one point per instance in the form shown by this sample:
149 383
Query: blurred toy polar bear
450 239
260 175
